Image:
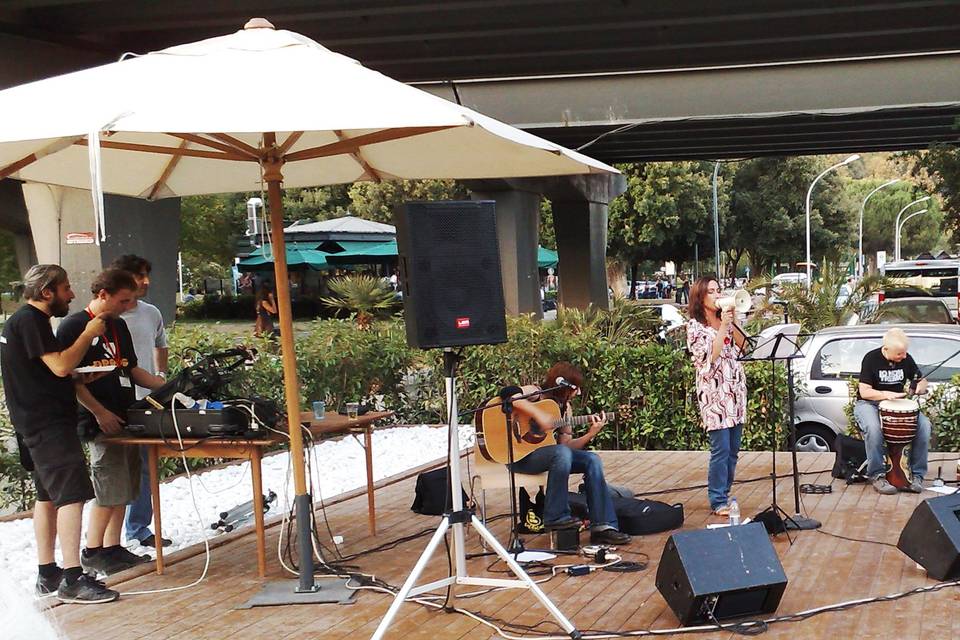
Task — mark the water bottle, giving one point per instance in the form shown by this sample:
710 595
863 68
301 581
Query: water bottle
734 512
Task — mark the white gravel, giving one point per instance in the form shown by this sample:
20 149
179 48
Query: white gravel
338 467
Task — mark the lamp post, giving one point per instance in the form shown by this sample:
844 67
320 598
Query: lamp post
852 158
900 227
896 227
716 220
860 255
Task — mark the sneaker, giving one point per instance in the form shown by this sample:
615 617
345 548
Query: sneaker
916 485
564 523
129 558
85 590
881 485
151 541
609 536
102 564
723 510
48 585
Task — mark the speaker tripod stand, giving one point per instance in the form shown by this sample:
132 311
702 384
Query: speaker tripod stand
457 520
781 344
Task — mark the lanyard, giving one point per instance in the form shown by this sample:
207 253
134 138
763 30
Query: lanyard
112 349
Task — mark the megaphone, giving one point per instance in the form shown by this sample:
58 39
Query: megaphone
739 302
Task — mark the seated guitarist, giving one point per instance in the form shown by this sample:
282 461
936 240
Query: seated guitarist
560 460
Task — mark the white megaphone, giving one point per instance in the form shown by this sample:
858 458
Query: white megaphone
739 302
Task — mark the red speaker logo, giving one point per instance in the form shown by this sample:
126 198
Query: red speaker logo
463 323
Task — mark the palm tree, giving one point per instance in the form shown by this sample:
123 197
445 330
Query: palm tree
361 295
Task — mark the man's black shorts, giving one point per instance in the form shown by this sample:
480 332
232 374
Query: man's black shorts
59 466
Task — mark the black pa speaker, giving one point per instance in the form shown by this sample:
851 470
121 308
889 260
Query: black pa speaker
450 273
721 573
931 536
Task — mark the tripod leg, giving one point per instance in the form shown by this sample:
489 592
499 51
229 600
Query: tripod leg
527 580
412 578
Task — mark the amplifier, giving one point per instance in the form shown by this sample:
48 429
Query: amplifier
193 423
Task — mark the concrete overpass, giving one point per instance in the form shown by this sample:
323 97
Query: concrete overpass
636 80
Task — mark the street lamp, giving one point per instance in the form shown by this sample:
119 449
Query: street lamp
900 227
852 158
896 227
716 221
860 255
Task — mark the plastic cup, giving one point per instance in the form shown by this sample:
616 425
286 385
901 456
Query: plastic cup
319 409
352 408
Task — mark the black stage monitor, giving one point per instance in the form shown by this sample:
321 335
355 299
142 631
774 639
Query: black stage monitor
931 536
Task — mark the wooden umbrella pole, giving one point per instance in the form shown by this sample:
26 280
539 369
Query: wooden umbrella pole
272 174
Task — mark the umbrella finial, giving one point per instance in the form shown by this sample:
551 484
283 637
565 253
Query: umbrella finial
258 23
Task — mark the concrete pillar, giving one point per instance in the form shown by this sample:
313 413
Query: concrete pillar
518 220
580 206
62 224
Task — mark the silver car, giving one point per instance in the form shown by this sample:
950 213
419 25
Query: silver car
832 356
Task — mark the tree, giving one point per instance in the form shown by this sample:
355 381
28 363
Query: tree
767 216
941 167
922 233
319 203
663 212
209 228
377 200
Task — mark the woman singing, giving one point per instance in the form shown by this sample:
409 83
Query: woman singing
721 386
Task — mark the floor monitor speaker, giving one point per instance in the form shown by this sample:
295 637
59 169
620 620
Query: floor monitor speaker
931 536
449 263
722 573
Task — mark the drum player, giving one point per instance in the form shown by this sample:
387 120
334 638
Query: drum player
889 373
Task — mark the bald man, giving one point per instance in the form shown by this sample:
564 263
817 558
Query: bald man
886 374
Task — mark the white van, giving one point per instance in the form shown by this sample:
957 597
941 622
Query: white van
937 278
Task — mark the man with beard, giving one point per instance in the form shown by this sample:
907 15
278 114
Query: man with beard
150 346
115 468
43 408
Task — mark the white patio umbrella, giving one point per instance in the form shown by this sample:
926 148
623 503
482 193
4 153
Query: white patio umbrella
260 106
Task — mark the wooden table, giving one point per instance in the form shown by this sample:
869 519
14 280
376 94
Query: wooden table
252 450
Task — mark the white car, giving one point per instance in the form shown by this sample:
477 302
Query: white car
832 356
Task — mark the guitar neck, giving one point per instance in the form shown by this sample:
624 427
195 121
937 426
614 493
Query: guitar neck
576 421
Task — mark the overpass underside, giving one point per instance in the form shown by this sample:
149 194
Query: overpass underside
880 104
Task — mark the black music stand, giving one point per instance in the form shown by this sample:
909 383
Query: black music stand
772 344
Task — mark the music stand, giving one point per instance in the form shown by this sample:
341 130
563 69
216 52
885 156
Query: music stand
780 343
457 520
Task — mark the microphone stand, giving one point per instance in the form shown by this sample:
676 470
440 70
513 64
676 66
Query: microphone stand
507 398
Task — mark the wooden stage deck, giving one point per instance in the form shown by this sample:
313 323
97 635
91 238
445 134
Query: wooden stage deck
821 570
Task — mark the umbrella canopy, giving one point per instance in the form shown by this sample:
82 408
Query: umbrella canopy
296 257
371 252
546 258
183 121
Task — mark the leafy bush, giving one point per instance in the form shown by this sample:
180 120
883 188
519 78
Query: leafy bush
213 307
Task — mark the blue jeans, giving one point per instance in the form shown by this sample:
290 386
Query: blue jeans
867 414
724 448
140 511
559 461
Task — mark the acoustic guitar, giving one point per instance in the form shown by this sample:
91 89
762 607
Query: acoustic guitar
525 434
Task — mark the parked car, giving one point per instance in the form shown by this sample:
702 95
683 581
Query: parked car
920 310
832 356
937 278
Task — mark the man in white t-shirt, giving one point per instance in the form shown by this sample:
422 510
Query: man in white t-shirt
150 344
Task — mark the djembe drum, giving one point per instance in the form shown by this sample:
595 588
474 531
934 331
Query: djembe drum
898 420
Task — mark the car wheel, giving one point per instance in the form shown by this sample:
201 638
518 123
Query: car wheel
815 439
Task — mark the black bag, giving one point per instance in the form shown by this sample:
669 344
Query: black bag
851 454
635 516
431 493
531 512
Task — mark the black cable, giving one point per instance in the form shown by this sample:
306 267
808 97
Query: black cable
837 535
747 481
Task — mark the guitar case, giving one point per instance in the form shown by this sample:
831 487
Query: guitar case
635 516
432 494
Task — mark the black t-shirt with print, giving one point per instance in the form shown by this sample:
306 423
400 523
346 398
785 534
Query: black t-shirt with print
886 375
35 396
115 346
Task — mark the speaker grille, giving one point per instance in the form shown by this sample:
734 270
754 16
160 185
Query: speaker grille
450 272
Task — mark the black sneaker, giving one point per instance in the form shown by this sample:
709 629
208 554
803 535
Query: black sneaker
609 536
129 558
568 522
151 541
48 585
85 590
102 564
